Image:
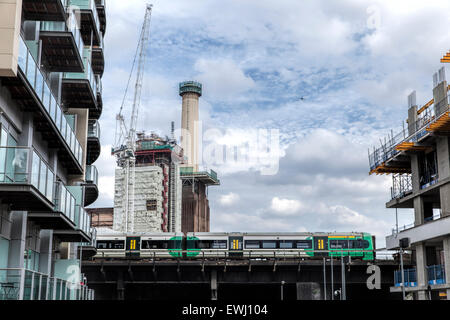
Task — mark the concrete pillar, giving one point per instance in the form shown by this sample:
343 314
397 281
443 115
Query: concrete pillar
45 250
446 244
418 211
421 267
444 192
18 236
415 173
412 118
443 160
214 285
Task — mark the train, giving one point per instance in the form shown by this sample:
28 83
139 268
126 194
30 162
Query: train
236 245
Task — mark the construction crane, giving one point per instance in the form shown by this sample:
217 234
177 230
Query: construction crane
125 137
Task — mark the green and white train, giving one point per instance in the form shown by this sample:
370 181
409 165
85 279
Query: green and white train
237 245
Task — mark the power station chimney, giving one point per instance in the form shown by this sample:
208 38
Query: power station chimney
190 91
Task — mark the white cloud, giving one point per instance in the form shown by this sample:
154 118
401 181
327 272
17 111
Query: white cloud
285 206
229 199
222 78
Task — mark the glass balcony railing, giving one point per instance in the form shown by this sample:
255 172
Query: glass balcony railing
94 129
16 167
37 81
436 274
24 284
65 202
62 26
93 243
88 74
92 174
83 220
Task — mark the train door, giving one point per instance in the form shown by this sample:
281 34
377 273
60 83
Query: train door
133 247
320 244
235 245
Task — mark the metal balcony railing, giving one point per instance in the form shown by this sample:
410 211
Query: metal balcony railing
401 185
37 81
436 274
25 284
409 277
418 130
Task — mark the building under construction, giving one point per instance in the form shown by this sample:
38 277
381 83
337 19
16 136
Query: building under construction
157 187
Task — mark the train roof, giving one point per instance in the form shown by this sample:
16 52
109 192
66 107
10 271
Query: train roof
275 233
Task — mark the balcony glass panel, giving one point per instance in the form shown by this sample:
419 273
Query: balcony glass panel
39 88
43 178
93 129
88 74
46 96
13 165
92 174
64 201
31 69
50 179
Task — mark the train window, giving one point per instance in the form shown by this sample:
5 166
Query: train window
252 244
304 244
365 244
203 244
158 244
110 244
339 244
219 244
268 244
286 244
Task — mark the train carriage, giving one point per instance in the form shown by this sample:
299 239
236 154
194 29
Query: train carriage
237 245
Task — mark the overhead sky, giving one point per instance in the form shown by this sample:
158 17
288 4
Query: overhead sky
331 76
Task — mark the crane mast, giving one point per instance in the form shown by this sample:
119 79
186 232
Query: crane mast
125 144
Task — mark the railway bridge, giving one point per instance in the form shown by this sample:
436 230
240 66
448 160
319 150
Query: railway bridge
231 279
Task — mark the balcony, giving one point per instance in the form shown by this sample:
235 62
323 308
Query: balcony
24 284
101 14
90 21
66 203
79 89
62 45
90 187
26 182
31 90
44 10
98 58
88 249
93 142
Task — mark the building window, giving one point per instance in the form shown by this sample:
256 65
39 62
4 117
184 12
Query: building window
151 204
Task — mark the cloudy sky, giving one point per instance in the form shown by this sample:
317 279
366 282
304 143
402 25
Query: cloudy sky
332 77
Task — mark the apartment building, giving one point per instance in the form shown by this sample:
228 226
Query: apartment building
51 64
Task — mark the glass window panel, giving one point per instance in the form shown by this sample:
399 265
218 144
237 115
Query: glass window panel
252 244
285 244
50 178
43 177
35 170
31 70
58 118
39 88
62 207
74 208
20 165
22 55
54 108
269 245
3 139
46 97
